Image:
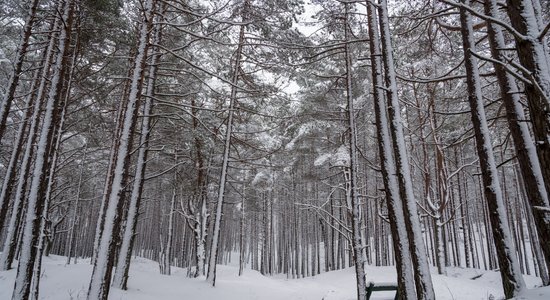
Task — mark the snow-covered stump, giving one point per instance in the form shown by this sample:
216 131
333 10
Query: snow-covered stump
512 280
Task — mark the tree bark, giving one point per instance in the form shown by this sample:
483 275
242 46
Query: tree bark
211 275
511 275
5 105
423 281
101 274
530 167
41 174
534 58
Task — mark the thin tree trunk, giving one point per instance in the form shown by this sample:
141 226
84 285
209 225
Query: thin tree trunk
355 210
5 104
211 275
75 215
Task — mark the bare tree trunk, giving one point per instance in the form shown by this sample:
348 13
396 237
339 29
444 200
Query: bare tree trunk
75 215
167 251
242 247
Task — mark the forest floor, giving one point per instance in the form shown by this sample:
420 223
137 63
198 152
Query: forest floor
60 281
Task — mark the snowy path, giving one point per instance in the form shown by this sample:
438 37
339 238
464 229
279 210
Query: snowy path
71 282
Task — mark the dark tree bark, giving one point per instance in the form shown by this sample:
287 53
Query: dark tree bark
5 105
530 167
535 59
36 197
509 269
393 200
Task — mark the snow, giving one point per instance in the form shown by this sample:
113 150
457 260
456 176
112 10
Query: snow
60 281
535 294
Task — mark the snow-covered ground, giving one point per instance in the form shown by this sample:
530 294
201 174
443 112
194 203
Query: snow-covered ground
71 282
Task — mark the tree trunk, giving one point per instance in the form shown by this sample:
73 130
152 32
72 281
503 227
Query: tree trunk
511 275
211 275
535 59
423 281
5 104
10 243
101 275
120 279
526 151
40 174
354 205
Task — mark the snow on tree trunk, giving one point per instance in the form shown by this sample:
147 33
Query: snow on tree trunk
10 240
35 205
109 177
439 244
47 57
198 207
512 280
101 274
168 251
120 279
241 233
535 59
47 199
354 205
7 99
530 167
11 171
200 230
423 280
211 275
393 201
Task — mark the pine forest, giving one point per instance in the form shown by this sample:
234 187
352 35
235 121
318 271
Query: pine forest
274 149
